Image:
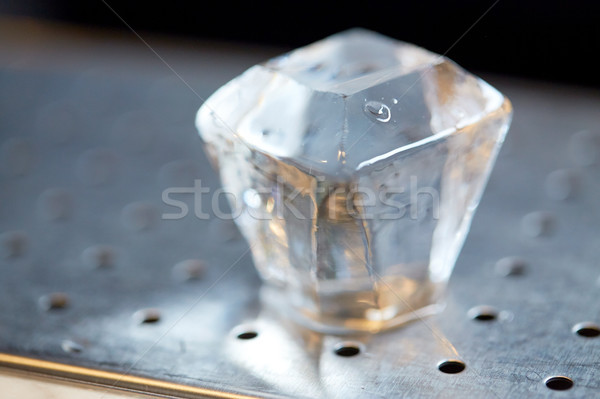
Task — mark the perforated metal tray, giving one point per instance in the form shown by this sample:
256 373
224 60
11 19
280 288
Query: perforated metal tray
80 207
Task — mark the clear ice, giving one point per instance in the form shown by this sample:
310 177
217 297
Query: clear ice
355 165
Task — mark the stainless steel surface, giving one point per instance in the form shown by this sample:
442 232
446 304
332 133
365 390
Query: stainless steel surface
98 183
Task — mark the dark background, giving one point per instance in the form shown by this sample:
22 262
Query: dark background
549 40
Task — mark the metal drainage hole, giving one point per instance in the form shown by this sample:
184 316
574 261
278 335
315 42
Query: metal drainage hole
559 383
54 301
147 316
247 335
511 266
347 349
71 347
483 313
451 366
485 317
588 330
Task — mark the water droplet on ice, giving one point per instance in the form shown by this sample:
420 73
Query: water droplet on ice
378 110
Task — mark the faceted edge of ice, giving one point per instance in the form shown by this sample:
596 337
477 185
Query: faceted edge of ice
408 58
499 102
495 102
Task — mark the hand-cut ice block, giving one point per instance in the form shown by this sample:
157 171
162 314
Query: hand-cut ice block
355 165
